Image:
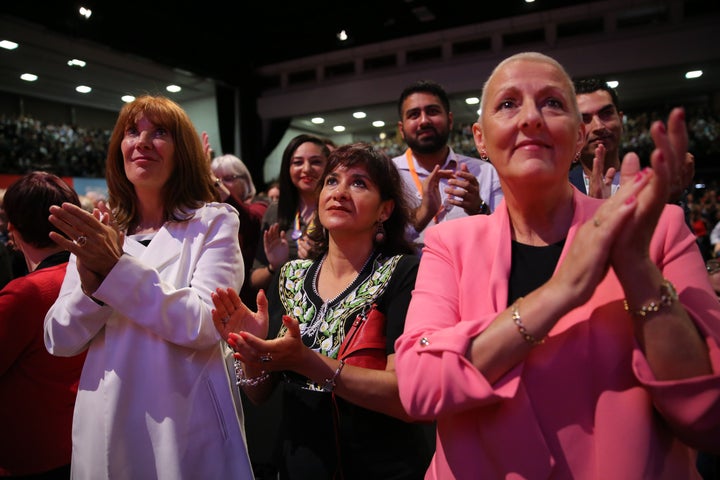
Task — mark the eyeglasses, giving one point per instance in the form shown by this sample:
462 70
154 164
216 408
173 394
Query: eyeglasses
230 178
713 266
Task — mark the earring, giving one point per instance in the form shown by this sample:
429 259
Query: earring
484 155
379 232
577 156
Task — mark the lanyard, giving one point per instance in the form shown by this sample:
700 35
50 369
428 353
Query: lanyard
411 166
297 231
416 179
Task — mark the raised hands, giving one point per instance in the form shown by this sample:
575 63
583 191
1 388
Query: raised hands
93 239
464 191
621 230
431 199
276 246
580 273
231 315
667 161
206 147
600 184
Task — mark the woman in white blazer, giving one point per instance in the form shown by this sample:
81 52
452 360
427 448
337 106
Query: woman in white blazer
156 399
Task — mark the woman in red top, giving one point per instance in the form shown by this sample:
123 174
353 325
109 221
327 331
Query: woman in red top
37 390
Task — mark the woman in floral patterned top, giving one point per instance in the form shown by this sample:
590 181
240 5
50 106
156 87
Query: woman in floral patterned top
338 420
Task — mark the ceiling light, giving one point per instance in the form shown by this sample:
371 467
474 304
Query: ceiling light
529 1
359 115
85 12
76 63
29 77
612 83
339 128
378 123
173 88
127 98
693 74
83 89
342 35
472 100
423 14
318 120
8 45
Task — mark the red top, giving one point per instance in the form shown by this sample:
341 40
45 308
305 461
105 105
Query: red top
37 390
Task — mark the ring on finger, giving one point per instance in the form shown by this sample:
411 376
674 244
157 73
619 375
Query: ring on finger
265 357
81 240
225 319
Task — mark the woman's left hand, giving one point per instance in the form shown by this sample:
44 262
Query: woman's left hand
667 162
91 237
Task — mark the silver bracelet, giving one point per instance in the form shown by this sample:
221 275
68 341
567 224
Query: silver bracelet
243 381
329 384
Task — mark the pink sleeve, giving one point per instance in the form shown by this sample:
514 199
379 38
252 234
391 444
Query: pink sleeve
690 406
449 307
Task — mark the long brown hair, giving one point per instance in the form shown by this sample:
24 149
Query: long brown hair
189 185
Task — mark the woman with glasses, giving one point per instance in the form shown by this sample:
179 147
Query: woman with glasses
235 187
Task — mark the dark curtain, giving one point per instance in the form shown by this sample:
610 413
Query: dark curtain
274 131
257 138
225 99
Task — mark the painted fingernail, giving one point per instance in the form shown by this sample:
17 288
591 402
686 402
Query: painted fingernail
630 200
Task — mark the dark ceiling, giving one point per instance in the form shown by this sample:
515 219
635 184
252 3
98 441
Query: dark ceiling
227 39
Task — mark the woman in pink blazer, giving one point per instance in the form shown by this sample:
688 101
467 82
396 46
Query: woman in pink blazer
563 337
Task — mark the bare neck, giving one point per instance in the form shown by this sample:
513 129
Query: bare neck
34 256
538 217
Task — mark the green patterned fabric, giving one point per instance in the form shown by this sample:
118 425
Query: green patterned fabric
325 325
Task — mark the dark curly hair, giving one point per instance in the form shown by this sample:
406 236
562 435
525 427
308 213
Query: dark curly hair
384 174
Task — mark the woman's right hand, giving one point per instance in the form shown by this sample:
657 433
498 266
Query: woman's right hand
580 273
231 315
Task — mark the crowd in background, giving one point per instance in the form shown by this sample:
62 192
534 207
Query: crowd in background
28 144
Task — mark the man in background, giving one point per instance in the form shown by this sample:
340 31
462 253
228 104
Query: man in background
441 184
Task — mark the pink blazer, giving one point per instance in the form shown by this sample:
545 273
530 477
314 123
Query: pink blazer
584 404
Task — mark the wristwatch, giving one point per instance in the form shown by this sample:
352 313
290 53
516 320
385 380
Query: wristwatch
484 209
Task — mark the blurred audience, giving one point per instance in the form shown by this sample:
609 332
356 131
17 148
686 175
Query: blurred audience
236 187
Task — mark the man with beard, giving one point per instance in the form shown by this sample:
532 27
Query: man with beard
597 173
441 184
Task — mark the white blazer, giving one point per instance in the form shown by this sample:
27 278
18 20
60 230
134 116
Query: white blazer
157 397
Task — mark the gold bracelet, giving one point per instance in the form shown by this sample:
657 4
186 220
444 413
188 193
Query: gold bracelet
521 328
668 296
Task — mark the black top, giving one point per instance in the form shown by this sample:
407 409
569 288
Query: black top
531 267
322 433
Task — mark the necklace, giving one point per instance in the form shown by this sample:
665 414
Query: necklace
323 308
